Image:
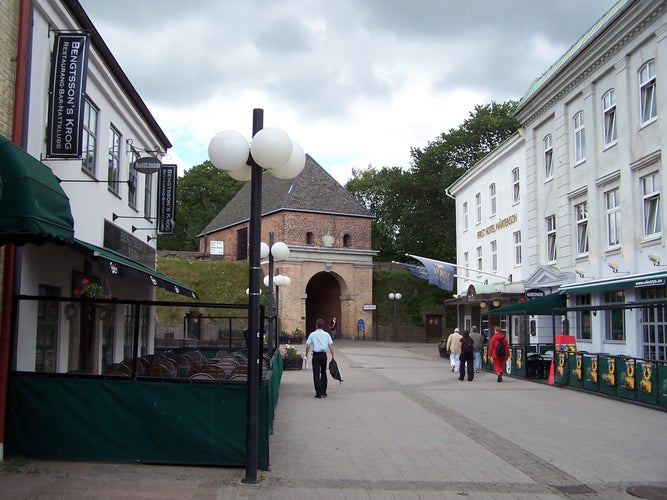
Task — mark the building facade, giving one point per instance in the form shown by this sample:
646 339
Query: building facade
591 194
328 233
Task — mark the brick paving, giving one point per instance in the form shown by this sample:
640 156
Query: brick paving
402 426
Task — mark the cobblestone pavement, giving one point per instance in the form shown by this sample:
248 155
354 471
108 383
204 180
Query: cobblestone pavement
402 426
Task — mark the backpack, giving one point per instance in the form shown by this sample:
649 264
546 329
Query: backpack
500 350
467 345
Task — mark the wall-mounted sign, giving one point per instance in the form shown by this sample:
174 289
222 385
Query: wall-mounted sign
534 293
166 203
147 165
217 248
501 224
67 87
369 307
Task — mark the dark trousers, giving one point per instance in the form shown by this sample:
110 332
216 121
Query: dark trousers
320 373
466 363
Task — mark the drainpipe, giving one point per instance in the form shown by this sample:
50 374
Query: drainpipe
12 256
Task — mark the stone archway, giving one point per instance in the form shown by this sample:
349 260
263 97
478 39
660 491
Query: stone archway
323 294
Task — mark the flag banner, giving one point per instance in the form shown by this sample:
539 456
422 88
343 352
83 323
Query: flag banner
418 271
166 199
67 87
440 273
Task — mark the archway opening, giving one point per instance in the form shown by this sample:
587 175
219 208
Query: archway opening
323 301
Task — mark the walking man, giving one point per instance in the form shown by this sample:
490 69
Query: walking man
319 341
454 349
477 349
465 360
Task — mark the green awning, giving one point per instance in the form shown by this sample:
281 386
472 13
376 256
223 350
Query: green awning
535 307
33 206
119 265
644 280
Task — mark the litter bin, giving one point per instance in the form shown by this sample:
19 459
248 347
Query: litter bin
575 361
625 378
607 373
591 382
646 375
561 371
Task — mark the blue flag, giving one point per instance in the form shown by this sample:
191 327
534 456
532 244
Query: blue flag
440 274
418 271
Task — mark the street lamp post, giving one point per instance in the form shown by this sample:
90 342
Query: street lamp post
273 150
276 252
395 297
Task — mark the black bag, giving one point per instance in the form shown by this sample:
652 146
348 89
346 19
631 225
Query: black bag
335 371
500 350
467 346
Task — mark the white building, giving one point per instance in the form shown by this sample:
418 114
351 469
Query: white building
107 197
592 190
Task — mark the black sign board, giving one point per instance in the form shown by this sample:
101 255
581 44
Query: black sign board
166 203
66 91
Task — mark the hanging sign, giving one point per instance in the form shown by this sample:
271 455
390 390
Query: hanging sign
67 88
147 165
166 203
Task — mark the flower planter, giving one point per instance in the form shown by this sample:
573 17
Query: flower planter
293 362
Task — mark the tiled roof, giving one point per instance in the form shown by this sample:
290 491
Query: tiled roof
313 190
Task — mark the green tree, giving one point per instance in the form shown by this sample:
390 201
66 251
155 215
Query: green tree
380 191
429 223
201 193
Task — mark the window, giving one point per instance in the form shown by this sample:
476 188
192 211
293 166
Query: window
148 195
494 255
242 244
654 324
347 240
310 238
613 207
579 137
609 117
478 204
465 216
479 258
492 197
515 186
132 184
466 263
614 318
548 157
89 137
47 330
517 248
583 318
647 98
651 198
113 173
551 238
581 219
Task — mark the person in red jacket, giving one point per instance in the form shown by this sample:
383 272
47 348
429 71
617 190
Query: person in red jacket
499 351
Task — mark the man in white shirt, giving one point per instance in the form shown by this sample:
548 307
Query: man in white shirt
319 341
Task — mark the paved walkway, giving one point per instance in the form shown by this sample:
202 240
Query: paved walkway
401 426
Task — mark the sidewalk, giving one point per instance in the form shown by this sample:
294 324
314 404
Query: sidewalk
402 426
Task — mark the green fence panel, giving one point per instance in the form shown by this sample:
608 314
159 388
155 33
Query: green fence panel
607 369
646 377
122 420
590 367
662 384
625 378
519 361
561 370
575 361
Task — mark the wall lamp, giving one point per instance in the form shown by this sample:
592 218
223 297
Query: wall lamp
613 266
654 258
579 271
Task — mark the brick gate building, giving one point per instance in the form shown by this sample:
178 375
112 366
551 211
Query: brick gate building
328 233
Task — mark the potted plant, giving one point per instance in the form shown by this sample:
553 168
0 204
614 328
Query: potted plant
442 348
291 359
297 336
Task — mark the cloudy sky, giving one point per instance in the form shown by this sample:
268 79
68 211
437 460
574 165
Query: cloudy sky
355 82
